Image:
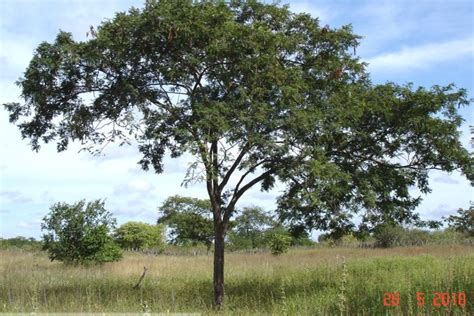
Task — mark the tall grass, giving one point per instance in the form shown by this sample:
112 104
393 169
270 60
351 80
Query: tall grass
336 281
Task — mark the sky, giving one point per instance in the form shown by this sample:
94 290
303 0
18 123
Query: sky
423 42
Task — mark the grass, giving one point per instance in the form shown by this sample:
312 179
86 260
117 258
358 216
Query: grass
336 281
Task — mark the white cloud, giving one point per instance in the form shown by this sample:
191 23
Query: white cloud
29 224
324 14
446 180
14 197
424 56
134 186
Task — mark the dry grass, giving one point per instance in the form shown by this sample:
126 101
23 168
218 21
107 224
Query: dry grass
304 281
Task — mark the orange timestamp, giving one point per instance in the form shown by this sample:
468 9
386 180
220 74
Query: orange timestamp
440 299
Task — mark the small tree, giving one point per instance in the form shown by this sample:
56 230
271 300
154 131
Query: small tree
187 220
79 234
139 236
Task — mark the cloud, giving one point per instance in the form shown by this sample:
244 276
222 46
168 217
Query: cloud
324 14
116 152
14 197
445 179
442 210
129 211
29 224
423 56
134 186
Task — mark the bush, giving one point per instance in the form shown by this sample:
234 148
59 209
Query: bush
79 234
388 236
279 241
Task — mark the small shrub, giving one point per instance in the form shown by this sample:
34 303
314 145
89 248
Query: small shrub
279 241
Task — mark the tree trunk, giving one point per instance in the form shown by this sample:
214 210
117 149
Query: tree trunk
219 265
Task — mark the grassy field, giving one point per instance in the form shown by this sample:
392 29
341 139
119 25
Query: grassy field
316 281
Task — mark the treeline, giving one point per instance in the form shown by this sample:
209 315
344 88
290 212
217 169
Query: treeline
460 230
83 233
397 236
20 242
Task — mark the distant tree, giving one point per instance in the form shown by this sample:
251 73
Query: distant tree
188 220
139 236
257 94
80 233
248 228
463 222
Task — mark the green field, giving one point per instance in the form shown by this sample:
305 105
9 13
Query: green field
316 281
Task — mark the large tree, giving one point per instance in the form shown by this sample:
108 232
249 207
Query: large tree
257 94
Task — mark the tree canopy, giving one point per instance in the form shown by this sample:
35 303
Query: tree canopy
257 94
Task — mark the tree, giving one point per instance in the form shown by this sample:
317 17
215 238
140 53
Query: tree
249 228
80 233
463 222
139 236
189 221
256 94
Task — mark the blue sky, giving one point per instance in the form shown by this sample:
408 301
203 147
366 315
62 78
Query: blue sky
424 42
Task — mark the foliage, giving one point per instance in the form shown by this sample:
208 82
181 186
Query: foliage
80 233
249 228
390 236
250 87
188 220
254 228
300 236
279 240
20 242
140 236
463 222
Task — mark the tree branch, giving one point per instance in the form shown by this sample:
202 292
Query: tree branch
239 193
236 163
